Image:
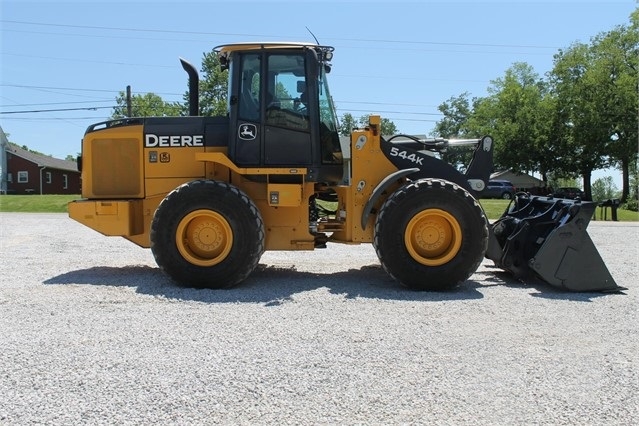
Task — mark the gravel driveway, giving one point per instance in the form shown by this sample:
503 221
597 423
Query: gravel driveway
93 333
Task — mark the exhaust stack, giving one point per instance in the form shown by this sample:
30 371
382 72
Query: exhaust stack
194 88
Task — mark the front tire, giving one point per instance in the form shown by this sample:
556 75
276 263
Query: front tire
431 235
207 234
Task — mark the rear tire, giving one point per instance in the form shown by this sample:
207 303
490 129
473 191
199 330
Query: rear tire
431 235
207 234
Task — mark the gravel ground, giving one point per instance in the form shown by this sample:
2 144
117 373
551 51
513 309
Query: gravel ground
93 333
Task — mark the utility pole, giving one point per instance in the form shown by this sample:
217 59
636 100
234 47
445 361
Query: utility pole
128 101
3 162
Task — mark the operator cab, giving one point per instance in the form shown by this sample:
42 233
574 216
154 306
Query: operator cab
280 108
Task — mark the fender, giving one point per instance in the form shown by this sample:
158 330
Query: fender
404 157
380 188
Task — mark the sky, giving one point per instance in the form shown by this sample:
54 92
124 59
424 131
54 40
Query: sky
62 64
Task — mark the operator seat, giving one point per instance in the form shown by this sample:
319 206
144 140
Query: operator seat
302 104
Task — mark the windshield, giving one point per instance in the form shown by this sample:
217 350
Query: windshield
329 135
328 117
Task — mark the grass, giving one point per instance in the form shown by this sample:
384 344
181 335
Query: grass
36 203
495 208
58 204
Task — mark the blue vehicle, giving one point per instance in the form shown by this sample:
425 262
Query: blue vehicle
503 189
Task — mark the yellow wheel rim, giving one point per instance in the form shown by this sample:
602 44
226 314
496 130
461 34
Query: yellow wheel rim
204 238
433 237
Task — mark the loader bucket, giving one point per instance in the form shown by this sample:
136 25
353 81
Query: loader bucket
546 237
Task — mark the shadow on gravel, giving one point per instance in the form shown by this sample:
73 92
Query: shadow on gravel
499 277
273 286
268 285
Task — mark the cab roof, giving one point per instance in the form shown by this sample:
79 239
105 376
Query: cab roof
325 53
225 49
256 45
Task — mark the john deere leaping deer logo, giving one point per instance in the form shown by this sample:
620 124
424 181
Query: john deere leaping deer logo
247 131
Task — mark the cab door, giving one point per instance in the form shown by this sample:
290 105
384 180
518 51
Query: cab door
287 122
245 93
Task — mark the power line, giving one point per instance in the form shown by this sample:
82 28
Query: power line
205 33
180 94
137 30
384 103
389 112
24 86
55 103
55 110
109 36
86 60
67 119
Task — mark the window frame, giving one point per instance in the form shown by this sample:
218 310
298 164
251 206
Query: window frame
23 176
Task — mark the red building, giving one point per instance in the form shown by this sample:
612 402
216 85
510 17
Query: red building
31 173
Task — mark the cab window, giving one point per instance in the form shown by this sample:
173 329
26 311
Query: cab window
329 134
249 100
286 92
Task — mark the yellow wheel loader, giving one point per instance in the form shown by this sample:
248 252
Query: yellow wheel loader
209 195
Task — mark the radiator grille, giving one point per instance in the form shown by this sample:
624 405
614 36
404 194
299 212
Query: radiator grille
116 167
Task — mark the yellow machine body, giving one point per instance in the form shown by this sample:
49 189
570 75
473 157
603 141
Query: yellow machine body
125 182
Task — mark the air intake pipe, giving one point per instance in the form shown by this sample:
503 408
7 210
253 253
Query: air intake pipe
194 88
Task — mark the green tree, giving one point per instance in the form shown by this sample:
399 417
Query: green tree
147 105
604 189
582 117
213 87
555 182
581 104
516 114
388 127
615 71
632 203
347 124
634 180
457 111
